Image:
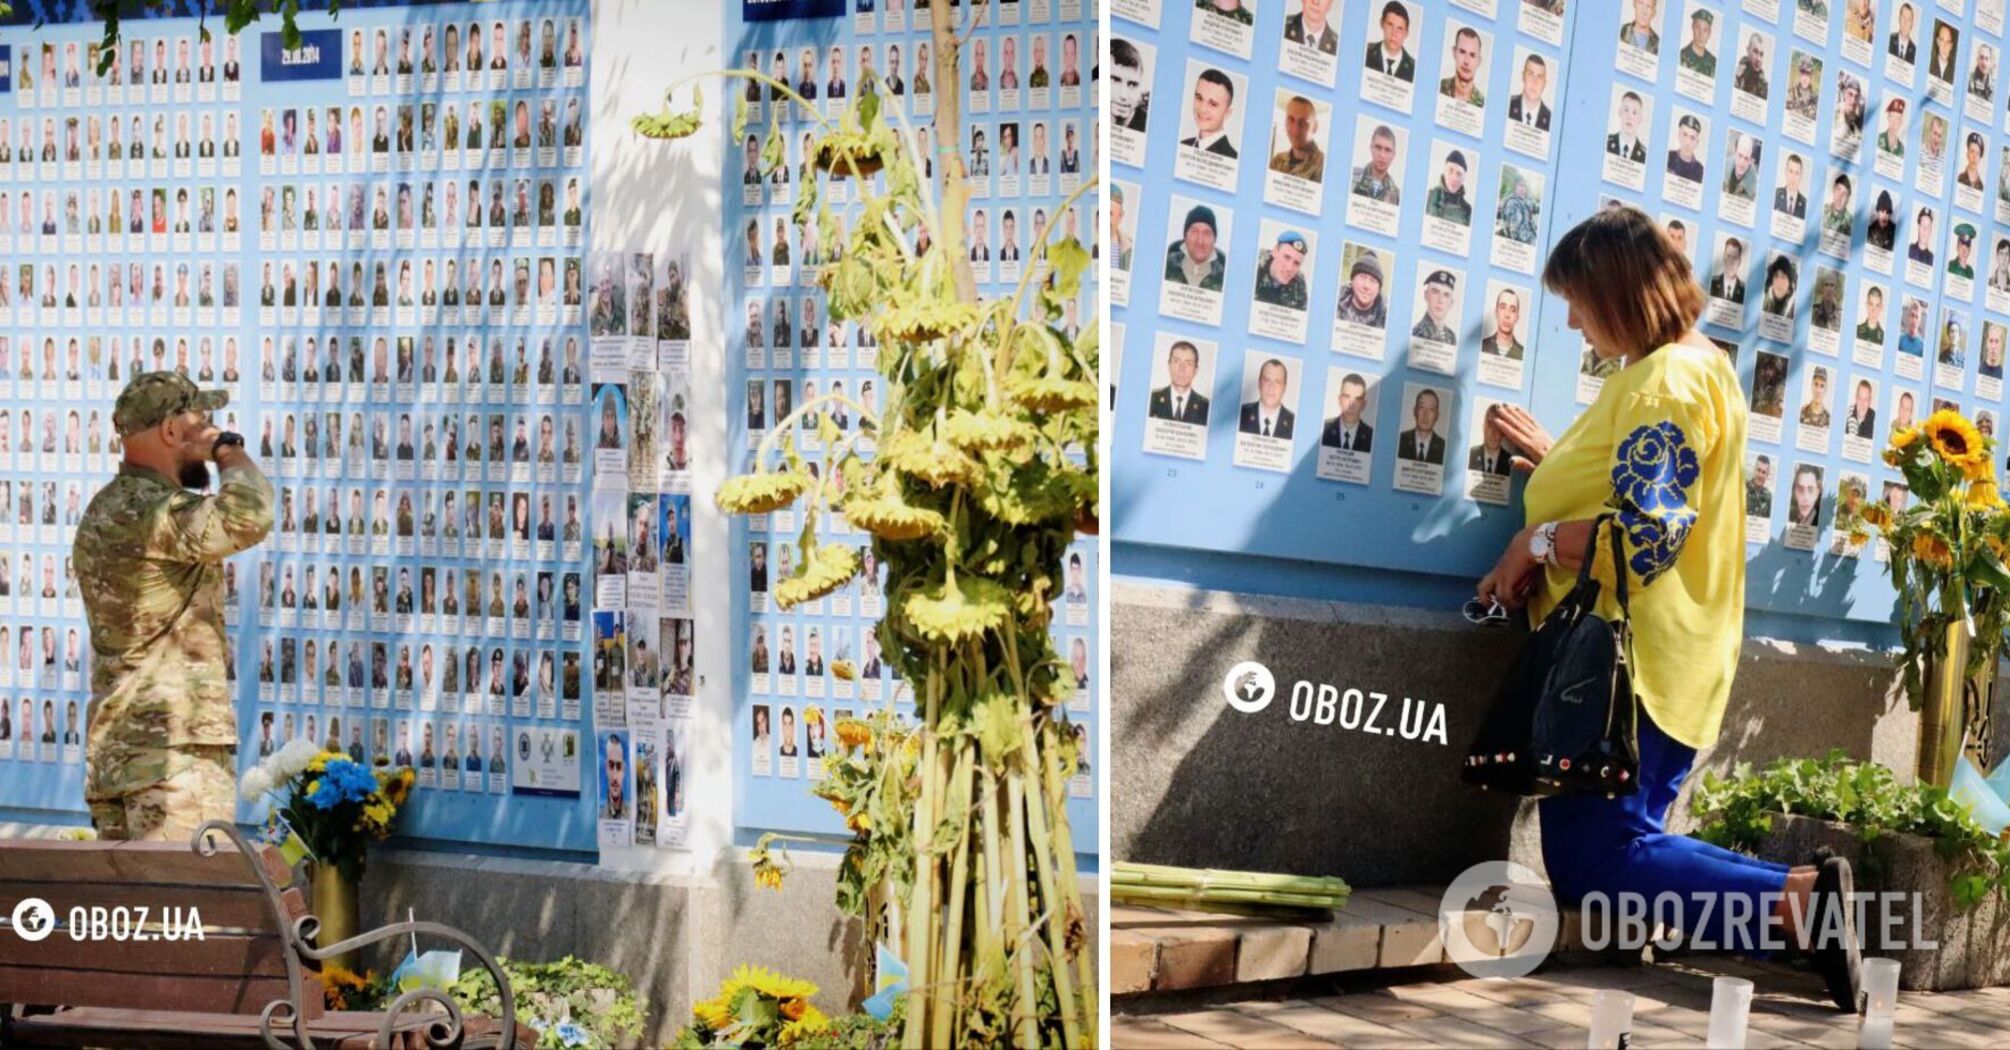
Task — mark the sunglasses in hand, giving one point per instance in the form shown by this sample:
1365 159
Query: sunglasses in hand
1486 612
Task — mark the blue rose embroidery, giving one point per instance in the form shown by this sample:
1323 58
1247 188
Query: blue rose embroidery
1650 482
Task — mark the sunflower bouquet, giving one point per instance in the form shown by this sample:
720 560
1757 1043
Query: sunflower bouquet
755 1007
338 807
1947 545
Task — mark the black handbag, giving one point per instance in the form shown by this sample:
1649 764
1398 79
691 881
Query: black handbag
1566 720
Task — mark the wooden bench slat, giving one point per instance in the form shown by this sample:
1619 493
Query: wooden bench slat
166 1029
52 986
239 907
217 955
64 860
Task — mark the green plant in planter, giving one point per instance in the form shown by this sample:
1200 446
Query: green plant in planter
1737 813
984 471
571 1003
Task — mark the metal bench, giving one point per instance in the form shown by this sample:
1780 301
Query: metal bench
251 980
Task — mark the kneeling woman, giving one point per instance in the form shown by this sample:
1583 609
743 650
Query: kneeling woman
1662 449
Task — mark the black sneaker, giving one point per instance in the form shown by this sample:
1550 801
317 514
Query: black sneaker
1840 964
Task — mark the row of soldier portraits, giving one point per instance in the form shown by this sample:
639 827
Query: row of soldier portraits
454 754
1007 72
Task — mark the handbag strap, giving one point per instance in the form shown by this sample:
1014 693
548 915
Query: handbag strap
1618 559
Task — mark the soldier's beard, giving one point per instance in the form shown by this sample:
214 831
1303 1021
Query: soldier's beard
194 475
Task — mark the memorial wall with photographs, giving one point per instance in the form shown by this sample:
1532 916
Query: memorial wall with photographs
1339 211
1029 103
376 242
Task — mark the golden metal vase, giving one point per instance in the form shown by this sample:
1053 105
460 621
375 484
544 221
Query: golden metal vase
335 905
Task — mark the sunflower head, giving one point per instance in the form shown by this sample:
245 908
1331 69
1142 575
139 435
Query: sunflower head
1930 549
1956 441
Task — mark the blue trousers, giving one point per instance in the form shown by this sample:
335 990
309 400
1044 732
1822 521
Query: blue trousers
1595 845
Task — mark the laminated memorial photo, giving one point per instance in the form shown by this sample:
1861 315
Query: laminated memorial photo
1751 77
1628 126
1901 47
1852 490
1434 335
1727 289
1503 354
1758 497
1943 62
1825 311
1678 235
1639 52
1467 63
1889 156
1389 73
1804 507
1269 413
1448 204
1961 262
1778 302
1196 263
1846 122
1860 421
1789 215
1867 349
1859 29
1989 16
1912 338
1738 201
1225 25
1284 272
1542 19
1529 110
1919 253
1311 40
1420 447
1989 370
1299 131
1375 182
1176 414
1998 295
1931 174
1210 127
1769 395
1347 434
1684 173
1979 99
1811 20
1361 321
1971 178
1490 458
1122 238
1880 234
1129 99
1518 219
1696 62
1838 217
1804 97
1951 356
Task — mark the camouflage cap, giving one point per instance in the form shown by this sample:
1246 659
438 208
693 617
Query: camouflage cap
153 397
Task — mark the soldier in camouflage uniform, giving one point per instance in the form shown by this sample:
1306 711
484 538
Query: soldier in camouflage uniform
1279 281
162 741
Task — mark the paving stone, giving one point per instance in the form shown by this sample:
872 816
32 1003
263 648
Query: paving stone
1409 937
1376 1007
1322 1023
1133 962
1235 1028
1519 991
1456 1032
1445 998
1144 1033
1191 957
1271 953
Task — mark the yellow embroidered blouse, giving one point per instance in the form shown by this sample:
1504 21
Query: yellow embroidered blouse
1663 448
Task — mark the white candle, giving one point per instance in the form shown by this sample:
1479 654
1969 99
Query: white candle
1730 1008
1611 1020
1880 992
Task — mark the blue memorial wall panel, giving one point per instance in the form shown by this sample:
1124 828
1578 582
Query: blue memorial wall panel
376 243
1836 171
1029 99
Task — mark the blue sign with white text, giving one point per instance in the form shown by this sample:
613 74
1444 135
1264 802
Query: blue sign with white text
319 56
6 68
781 10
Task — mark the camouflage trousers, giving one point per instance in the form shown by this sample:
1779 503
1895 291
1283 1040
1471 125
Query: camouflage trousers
196 783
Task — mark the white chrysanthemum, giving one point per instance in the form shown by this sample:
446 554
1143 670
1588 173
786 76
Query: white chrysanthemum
255 782
293 758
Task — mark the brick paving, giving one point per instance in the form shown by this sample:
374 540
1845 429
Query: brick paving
1550 1008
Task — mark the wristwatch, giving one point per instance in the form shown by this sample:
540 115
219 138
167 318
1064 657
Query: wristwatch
228 437
1542 543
